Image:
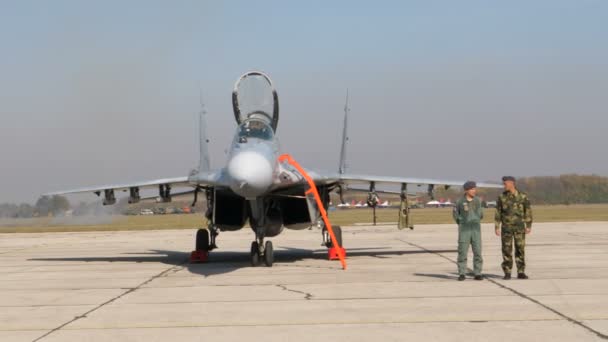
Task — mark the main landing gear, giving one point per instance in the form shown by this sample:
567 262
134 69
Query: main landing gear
205 242
265 254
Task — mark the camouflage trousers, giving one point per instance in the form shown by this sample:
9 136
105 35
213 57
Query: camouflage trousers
507 237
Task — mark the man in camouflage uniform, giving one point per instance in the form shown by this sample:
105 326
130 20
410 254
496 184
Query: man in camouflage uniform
514 218
468 214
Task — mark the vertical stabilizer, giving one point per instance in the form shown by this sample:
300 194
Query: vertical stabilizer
342 167
204 163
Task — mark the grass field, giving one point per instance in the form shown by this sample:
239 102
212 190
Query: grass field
559 213
556 213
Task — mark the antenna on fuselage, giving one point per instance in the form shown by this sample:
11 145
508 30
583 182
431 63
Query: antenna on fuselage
204 161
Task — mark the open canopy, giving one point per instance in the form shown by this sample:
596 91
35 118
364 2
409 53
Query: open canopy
254 97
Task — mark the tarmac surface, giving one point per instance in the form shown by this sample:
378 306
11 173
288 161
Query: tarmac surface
399 285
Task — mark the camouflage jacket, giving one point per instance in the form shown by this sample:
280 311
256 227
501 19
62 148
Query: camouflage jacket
468 213
513 211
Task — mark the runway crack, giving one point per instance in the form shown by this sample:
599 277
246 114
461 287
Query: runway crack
307 296
128 291
520 294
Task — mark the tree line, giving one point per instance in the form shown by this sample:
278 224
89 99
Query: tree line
564 189
44 206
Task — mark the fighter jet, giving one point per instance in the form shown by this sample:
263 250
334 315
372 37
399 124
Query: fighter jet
256 186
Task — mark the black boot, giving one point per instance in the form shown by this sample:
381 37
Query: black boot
479 277
461 277
507 276
522 275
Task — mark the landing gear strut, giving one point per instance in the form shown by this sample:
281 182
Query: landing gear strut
205 238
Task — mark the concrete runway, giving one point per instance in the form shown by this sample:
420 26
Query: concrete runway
400 285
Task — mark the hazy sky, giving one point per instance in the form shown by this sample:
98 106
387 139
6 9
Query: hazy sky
95 92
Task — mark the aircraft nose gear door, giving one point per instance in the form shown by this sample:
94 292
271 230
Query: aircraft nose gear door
254 97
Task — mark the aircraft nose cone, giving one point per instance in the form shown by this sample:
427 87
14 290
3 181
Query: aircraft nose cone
251 174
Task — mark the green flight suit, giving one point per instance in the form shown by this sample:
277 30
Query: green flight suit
468 216
513 216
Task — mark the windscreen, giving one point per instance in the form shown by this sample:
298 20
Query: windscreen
254 128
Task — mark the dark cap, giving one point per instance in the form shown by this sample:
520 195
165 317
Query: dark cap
508 178
469 185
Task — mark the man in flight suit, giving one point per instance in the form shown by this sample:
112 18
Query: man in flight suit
468 214
514 218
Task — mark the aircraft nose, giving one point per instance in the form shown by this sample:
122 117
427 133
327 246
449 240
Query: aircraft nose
250 173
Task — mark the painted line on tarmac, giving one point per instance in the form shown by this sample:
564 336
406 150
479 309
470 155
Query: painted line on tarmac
520 294
130 290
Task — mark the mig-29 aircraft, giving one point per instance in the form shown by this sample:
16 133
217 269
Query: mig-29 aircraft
257 186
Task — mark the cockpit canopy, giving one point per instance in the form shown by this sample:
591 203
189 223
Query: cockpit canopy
254 128
254 97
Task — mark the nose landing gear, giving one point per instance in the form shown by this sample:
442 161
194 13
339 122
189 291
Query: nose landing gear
265 253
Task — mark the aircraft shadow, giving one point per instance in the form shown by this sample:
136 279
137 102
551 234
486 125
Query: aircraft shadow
221 262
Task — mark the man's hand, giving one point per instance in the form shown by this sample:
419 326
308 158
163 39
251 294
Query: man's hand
497 231
528 230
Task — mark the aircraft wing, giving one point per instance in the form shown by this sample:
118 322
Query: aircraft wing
348 178
355 178
183 181
200 179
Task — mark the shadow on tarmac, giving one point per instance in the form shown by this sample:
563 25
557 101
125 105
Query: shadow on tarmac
221 262
454 275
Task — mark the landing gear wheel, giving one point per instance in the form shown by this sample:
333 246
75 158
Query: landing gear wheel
255 254
202 240
337 233
201 253
268 254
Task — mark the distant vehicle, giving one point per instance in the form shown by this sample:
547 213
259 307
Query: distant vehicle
490 204
433 204
438 204
159 211
146 212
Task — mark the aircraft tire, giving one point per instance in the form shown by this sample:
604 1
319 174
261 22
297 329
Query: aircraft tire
268 254
338 234
255 254
202 240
